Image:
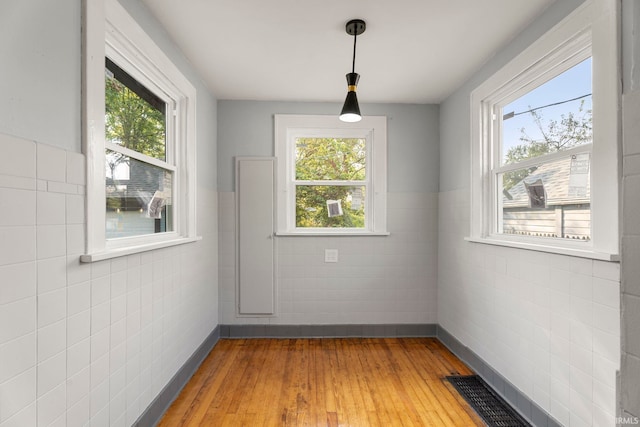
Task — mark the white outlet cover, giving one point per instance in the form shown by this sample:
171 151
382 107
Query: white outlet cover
330 255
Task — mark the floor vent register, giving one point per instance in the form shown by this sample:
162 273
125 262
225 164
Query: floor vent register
491 407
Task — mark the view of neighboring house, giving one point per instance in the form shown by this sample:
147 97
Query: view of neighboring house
552 201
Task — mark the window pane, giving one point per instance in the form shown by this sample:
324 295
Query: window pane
135 116
330 159
138 197
553 117
548 200
330 206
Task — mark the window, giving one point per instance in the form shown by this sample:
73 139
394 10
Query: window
139 139
544 143
331 175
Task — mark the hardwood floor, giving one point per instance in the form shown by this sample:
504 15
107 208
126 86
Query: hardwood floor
324 382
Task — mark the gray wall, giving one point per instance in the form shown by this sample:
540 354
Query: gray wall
85 344
389 279
454 111
40 71
629 392
534 329
245 128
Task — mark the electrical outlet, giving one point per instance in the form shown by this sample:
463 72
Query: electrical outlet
330 255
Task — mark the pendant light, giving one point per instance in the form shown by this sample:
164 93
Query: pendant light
351 109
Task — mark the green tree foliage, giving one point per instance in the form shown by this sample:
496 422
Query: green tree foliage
132 122
571 130
326 159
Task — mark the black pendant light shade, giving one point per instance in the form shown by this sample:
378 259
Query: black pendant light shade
351 109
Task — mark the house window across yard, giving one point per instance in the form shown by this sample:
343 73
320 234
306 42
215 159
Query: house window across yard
544 143
139 139
331 175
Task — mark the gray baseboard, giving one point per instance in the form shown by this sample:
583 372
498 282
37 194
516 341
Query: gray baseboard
518 400
328 331
154 412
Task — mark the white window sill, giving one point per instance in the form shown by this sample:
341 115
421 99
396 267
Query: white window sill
546 247
114 253
331 234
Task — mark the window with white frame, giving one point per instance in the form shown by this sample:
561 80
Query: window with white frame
139 139
544 143
331 175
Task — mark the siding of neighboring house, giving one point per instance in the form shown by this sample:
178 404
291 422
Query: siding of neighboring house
567 213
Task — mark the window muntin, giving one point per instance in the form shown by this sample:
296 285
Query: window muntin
563 46
331 175
139 182
138 197
542 199
137 67
330 182
135 117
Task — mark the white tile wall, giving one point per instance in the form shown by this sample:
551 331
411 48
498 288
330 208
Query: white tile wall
78 341
630 390
548 323
376 280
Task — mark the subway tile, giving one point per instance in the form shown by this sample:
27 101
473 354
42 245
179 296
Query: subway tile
604 396
606 345
631 127
630 266
606 318
17 393
18 182
75 168
17 356
52 307
17 319
61 187
18 207
606 292
99 398
100 317
100 269
52 373
52 406
78 357
78 387
75 239
51 163
78 327
75 213
631 203
99 351
52 274
606 270
630 336
631 165
51 208
26 417
52 241
78 415
77 271
52 339
78 298
18 157
100 290
17 244
18 282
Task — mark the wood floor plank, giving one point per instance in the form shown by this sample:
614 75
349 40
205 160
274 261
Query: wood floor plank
358 382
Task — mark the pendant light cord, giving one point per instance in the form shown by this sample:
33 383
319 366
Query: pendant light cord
353 65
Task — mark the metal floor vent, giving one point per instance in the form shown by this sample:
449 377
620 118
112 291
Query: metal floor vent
491 407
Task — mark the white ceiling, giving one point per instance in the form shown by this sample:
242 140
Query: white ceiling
413 51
